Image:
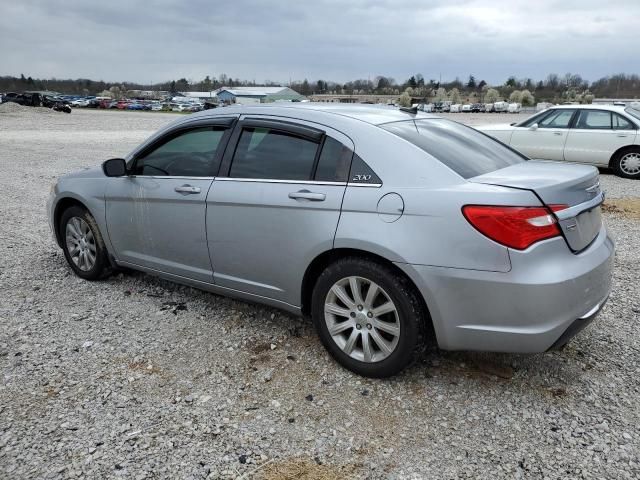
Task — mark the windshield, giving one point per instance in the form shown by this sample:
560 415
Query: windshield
463 149
633 112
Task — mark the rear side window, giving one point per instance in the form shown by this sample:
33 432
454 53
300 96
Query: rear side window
334 162
594 120
189 154
464 150
621 123
264 153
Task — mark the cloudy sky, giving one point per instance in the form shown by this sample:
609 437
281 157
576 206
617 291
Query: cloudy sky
337 40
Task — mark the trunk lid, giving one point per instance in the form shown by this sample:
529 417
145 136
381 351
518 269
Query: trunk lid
555 183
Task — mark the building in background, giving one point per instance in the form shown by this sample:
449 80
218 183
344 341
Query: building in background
245 95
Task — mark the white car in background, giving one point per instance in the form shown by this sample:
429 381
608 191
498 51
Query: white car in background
514 108
501 107
466 108
600 135
455 108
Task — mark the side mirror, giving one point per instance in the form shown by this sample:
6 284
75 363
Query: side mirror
533 127
115 167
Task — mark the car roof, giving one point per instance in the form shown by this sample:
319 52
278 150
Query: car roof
372 114
614 108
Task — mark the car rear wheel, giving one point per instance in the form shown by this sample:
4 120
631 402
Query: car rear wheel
368 316
83 245
626 163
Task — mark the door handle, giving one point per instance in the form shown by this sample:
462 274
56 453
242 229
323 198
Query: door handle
187 189
557 133
307 195
622 135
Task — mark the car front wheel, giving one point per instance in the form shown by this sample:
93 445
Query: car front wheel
82 244
368 317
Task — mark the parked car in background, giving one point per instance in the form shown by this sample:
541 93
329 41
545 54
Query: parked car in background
600 135
514 108
477 107
543 106
489 108
466 108
460 239
501 107
456 108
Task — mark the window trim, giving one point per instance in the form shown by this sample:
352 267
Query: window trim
226 123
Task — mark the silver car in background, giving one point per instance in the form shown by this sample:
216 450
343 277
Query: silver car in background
387 227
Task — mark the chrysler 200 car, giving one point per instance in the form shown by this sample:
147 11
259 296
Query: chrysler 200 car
386 227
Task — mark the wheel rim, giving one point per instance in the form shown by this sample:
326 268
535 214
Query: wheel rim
362 319
630 163
81 244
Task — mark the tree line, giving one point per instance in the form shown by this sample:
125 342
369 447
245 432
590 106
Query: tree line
553 88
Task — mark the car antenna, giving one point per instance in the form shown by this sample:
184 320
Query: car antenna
411 110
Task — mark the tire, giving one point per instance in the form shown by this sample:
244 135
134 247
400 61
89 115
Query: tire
402 333
626 163
83 234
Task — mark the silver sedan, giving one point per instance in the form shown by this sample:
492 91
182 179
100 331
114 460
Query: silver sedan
389 228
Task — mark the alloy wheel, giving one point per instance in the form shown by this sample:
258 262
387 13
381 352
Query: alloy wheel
362 319
81 244
630 163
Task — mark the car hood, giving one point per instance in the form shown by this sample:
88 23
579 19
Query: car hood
87 172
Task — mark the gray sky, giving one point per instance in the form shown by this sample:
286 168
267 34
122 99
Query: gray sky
342 40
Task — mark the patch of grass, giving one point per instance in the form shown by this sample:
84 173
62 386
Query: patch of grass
627 207
304 469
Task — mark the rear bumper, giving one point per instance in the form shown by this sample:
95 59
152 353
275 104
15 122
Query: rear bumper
529 309
577 326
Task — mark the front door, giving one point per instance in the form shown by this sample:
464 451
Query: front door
156 215
546 142
275 205
596 135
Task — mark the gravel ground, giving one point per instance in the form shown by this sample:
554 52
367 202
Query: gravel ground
134 377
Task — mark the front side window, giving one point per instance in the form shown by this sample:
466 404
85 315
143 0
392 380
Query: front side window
557 119
464 150
594 120
265 153
189 154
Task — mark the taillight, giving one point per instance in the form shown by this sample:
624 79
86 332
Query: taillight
514 227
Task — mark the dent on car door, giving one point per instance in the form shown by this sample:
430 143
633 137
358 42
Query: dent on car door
156 214
275 206
596 135
544 140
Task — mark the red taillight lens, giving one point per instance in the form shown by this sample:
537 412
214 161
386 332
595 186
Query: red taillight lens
514 227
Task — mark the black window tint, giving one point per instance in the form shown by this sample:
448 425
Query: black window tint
621 123
334 162
362 173
464 150
559 118
594 120
272 154
190 154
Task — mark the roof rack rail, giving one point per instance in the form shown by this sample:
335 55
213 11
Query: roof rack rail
411 110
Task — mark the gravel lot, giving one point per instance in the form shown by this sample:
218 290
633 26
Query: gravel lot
134 377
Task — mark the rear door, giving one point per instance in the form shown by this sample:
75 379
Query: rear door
156 214
596 135
275 205
546 142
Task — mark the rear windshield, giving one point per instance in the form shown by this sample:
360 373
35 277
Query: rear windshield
633 111
464 150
